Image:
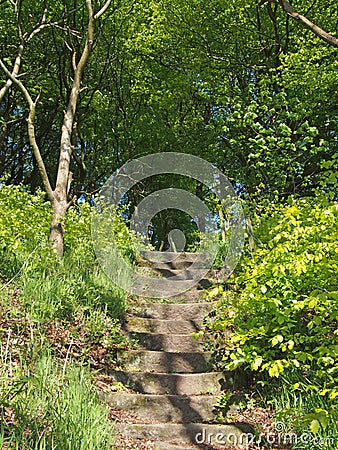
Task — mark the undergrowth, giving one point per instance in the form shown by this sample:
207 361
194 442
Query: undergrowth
47 406
59 320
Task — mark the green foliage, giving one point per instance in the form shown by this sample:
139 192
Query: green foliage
283 311
305 411
50 288
52 408
24 219
78 238
179 76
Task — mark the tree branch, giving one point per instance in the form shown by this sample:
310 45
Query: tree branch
26 37
31 130
14 73
103 9
68 121
322 34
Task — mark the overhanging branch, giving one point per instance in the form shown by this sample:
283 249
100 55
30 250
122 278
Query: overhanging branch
322 34
103 9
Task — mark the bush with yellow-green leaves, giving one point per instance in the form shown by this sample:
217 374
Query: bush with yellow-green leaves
282 312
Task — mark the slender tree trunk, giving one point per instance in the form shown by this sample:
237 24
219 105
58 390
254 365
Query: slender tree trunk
57 226
59 196
223 224
60 203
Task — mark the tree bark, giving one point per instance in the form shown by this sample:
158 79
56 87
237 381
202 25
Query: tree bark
60 203
223 224
15 72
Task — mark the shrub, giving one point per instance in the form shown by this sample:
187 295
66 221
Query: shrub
282 311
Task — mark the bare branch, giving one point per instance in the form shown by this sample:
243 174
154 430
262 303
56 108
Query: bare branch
31 130
74 61
44 14
68 121
38 29
18 82
14 73
24 39
103 9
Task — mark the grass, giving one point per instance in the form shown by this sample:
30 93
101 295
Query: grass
47 406
47 398
51 310
305 412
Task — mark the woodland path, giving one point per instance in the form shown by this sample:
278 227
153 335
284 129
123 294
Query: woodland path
172 388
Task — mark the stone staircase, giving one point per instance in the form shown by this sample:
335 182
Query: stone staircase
172 387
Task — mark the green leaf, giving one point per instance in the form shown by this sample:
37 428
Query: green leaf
314 426
257 363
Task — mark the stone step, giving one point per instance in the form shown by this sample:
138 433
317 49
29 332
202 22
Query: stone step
200 279
173 311
174 384
194 295
168 342
164 362
153 257
166 408
186 274
240 434
144 325
149 267
179 264
203 278
164 288
185 279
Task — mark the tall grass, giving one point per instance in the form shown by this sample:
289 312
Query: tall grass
50 288
51 407
61 289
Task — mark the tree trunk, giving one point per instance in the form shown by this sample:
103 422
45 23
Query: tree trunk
223 224
60 203
57 226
